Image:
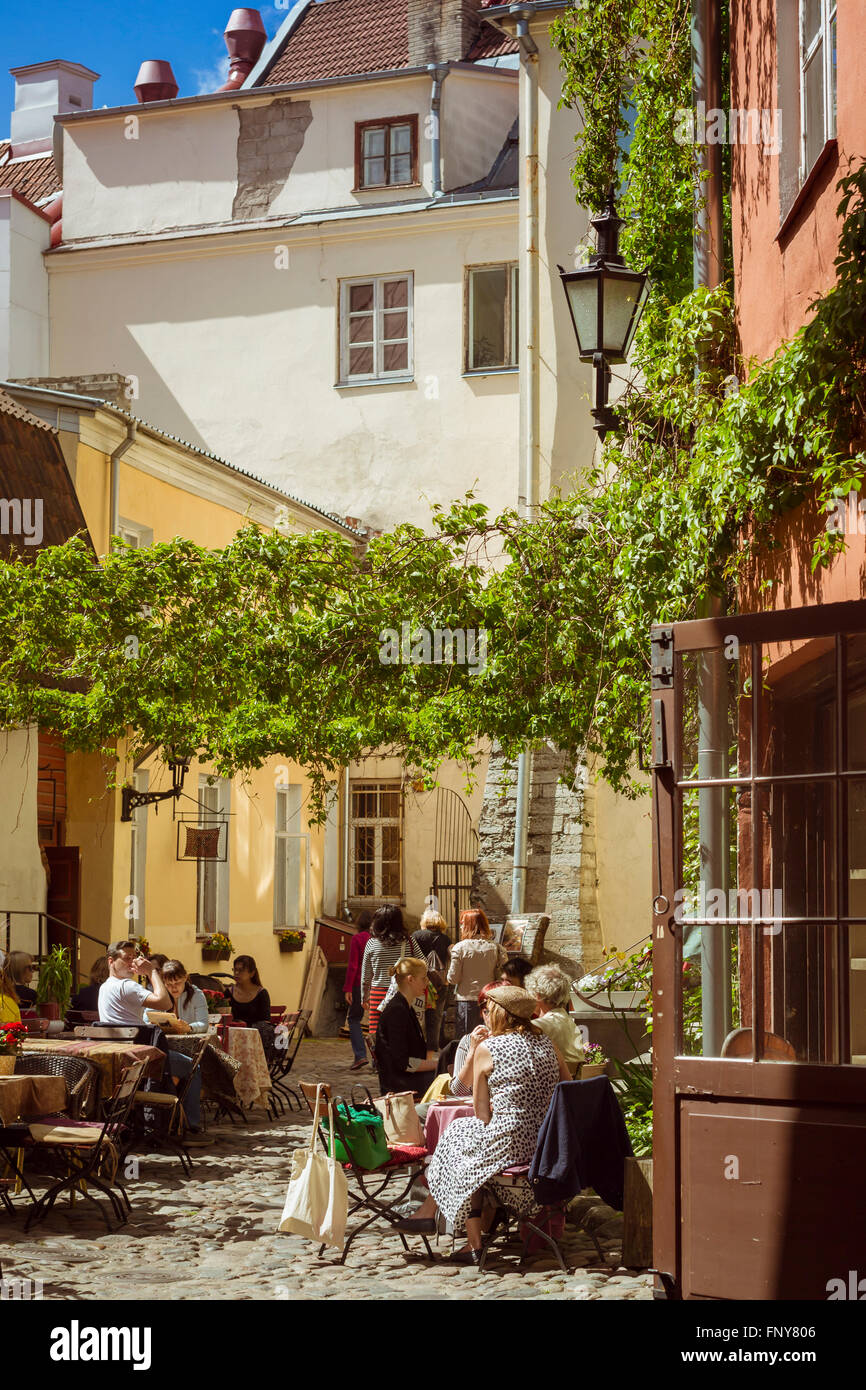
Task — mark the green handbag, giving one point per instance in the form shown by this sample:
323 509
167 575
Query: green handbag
364 1133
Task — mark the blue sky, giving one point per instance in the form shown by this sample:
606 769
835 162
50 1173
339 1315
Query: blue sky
114 39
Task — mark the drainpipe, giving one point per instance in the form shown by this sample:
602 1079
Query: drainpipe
116 456
708 246
528 487
347 816
438 71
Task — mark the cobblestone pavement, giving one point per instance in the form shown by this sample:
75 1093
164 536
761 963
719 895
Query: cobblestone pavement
213 1236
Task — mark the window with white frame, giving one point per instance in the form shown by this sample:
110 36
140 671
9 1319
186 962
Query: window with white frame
291 860
133 534
491 317
212 875
377 840
817 79
376 328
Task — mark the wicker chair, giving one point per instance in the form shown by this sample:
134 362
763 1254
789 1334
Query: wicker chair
81 1077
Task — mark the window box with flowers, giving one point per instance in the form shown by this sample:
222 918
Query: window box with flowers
11 1037
291 940
216 947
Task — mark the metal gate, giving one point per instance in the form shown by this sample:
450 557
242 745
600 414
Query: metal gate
452 886
759 935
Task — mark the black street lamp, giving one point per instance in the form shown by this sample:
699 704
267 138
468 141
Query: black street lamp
605 300
131 799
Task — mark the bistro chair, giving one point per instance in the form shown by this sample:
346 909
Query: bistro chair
170 1104
91 1154
368 1186
283 1059
81 1076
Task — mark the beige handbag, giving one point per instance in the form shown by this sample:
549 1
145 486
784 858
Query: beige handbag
402 1125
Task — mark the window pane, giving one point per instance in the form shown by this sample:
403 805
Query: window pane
360 297
813 98
487 328
361 328
401 139
374 173
515 315
811 11
389 804
396 357
714 692
401 168
396 294
396 325
364 803
361 361
799 711
374 141
832 121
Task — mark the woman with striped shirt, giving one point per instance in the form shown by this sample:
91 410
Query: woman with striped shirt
388 942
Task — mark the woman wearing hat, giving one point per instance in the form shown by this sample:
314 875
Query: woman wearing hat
516 1071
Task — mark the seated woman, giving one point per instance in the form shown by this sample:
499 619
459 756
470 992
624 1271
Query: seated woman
463 1071
10 1010
516 1071
87 999
515 971
188 1001
251 1002
400 1038
550 987
21 966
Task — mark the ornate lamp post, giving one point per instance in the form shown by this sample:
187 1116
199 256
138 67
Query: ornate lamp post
605 300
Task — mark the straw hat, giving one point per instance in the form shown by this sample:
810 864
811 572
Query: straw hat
514 1001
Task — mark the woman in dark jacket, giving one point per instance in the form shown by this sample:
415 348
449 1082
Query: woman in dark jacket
400 1038
251 1002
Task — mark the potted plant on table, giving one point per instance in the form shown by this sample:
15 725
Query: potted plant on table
216 947
291 940
11 1038
217 1004
54 989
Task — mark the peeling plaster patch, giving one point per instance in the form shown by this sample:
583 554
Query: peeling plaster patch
269 141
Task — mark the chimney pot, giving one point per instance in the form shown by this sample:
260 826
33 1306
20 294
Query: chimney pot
245 37
155 81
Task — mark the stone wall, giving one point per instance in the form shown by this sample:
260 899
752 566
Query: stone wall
561 863
270 139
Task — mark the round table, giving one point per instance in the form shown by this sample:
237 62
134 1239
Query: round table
440 1115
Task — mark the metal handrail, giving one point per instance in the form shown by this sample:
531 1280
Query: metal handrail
44 919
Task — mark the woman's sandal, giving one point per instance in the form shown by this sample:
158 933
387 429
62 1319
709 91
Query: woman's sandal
416 1225
466 1257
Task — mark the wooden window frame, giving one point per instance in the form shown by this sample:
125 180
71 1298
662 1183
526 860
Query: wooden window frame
378 375
378 785
512 304
386 122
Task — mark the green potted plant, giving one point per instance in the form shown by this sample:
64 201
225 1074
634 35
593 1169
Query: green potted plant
11 1036
290 940
216 947
54 989
216 1003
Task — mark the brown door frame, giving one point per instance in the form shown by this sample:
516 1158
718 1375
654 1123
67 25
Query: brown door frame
676 1076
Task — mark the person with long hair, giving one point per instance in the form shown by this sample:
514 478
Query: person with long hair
476 961
87 998
10 1009
389 940
516 1071
251 1002
21 966
352 989
188 1001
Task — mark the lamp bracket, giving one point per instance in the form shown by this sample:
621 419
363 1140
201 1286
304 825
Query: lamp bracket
131 799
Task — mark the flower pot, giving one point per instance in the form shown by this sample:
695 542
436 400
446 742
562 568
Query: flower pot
7 1063
223 955
588 1069
209 953
291 946
48 1010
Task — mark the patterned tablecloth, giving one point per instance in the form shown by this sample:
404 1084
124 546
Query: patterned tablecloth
31 1095
253 1081
109 1058
439 1116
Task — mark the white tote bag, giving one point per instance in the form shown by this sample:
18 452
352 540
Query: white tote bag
317 1202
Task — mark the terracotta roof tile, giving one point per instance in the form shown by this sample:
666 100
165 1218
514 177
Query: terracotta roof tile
344 37
490 43
35 179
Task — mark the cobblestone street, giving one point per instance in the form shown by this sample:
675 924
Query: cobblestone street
214 1235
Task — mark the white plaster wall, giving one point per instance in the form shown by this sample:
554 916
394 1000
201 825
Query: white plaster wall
240 358
28 292
5 282
478 110
22 877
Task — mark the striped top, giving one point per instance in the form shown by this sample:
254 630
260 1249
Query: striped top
379 956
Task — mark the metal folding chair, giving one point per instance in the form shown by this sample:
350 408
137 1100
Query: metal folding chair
367 1187
286 1046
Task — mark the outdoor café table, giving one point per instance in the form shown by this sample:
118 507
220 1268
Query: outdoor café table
253 1081
109 1058
440 1115
219 1071
31 1095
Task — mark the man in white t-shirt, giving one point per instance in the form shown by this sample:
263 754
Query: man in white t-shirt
123 1000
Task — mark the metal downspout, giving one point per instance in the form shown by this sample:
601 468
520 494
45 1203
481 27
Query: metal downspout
347 815
438 71
116 456
528 487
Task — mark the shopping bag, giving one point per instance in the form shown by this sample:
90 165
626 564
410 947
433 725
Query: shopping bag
317 1202
402 1125
364 1133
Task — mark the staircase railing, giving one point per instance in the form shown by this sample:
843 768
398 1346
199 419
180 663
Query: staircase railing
6 915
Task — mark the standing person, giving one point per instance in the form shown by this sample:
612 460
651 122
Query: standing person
476 961
251 1002
352 988
401 1048
389 941
431 940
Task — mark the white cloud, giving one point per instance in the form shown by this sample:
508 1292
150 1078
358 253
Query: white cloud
210 79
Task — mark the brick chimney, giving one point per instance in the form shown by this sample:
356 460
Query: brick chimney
441 31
